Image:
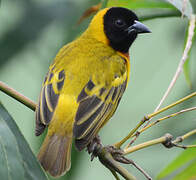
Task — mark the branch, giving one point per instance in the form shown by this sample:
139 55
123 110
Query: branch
179 139
120 143
16 95
146 118
184 7
182 138
105 157
182 61
166 117
108 161
178 71
165 138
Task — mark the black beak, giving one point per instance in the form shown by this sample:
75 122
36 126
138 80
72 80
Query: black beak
138 27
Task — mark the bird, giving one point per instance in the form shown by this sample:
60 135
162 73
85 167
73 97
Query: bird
84 85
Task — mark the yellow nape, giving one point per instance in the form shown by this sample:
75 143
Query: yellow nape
96 27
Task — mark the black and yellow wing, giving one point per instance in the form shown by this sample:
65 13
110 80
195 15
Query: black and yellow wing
96 106
48 100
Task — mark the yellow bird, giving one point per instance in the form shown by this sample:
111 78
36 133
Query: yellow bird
84 85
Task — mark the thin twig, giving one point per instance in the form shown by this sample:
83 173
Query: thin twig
166 140
147 144
172 105
142 171
184 7
184 146
191 146
182 138
120 143
179 139
146 118
118 156
180 66
18 96
182 61
166 117
114 174
108 161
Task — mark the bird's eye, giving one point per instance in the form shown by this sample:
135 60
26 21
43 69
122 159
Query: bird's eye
119 23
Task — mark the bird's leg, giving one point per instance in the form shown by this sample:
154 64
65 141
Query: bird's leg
118 155
114 151
94 146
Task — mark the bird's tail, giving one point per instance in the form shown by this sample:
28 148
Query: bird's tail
55 154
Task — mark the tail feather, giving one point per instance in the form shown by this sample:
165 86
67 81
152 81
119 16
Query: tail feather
55 154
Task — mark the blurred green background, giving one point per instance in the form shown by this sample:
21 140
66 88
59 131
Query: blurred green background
32 32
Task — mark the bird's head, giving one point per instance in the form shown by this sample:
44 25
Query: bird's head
117 27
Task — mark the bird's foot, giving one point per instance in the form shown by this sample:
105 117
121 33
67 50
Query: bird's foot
94 146
118 154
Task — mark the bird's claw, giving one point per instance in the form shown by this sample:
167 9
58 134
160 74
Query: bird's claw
94 146
113 150
118 155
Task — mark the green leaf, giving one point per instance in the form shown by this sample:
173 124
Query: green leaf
104 3
138 4
146 14
187 174
185 9
160 6
184 159
16 158
147 9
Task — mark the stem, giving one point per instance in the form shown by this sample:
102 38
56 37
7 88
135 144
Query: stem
142 171
131 134
184 7
166 117
16 95
120 143
182 138
114 174
191 146
182 61
147 144
171 105
178 71
107 160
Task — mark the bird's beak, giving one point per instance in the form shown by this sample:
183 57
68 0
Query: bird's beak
138 27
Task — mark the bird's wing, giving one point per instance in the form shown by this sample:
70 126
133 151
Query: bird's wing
48 100
96 105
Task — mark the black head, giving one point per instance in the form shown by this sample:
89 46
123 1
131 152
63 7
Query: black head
121 27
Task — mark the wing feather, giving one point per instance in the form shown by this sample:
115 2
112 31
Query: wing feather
94 110
48 100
